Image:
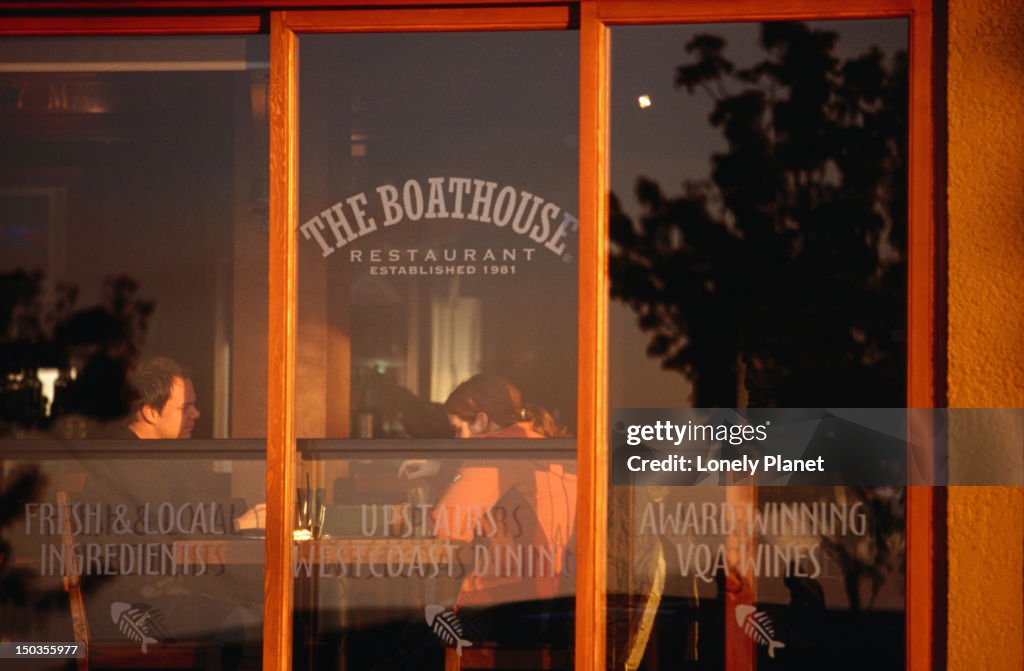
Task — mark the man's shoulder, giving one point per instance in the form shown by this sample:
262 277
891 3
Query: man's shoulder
116 431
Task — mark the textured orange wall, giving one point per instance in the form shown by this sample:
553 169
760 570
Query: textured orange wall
986 319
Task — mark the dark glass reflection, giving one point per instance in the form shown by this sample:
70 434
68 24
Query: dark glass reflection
780 275
758 259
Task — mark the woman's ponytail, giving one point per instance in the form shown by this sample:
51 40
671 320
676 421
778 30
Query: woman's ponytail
543 422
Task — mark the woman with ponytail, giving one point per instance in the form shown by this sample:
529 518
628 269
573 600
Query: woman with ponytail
488 406
520 512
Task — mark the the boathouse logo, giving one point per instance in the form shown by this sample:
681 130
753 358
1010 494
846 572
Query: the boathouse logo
543 223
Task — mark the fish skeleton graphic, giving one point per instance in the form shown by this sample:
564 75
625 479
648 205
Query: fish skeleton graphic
758 626
445 624
136 621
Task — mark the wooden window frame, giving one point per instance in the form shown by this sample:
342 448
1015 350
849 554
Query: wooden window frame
925 621
285 27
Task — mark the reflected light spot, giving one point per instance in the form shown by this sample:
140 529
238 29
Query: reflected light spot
644 101
47 378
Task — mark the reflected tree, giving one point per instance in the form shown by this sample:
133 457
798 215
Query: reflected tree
91 347
870 560
16 489
23 593
783 275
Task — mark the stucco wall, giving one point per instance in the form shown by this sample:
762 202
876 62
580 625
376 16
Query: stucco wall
986 318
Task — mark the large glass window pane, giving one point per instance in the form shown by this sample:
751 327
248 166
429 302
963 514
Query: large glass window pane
133 235
758 260
437 247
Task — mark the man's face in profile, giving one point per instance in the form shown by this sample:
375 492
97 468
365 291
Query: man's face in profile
178 416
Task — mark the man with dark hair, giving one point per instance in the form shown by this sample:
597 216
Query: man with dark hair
191 604
163 403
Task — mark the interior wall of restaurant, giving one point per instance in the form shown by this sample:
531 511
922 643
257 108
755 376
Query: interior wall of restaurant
248 339
986 321
313 330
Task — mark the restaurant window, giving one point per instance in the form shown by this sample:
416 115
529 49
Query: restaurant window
758 228
133 261
436 348
436 196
